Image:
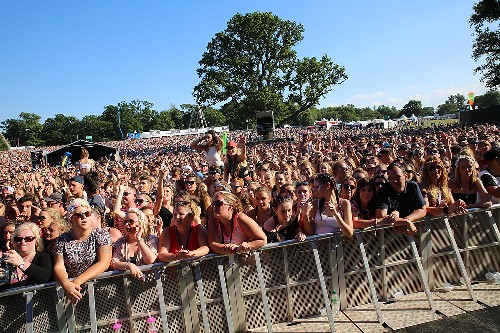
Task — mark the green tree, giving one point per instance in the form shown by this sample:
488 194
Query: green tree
490 98
60 130
453 104
485 20
252 67
412 107
99 129
23 131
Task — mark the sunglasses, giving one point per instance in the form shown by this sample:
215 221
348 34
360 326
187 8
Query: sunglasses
140 201
432 152
434 167
235 186
409 171
218 203
181 203
81 215
189 182
27 239
379 184
348 187
129 221
212 172
125 194
264 169
302 184
40 218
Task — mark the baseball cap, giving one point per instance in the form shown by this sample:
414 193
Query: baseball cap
232 144
54 197
78 179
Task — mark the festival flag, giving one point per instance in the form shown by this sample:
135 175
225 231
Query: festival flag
224 143
470 97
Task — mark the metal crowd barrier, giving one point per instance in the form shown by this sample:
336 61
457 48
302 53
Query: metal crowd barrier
279 283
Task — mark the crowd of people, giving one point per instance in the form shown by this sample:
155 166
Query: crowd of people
183 197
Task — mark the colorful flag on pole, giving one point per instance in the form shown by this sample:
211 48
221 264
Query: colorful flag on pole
470 97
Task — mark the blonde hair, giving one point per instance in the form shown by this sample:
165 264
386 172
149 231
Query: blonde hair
34 229
54 213
231 199
442 182
143 220
473 177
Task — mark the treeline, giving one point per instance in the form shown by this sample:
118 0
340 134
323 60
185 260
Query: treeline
117 120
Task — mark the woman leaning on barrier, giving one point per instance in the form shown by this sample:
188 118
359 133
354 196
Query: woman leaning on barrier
184 238
81 253
284 225
28 263
363 203
138 246
229 229
435 190
328 213
467 186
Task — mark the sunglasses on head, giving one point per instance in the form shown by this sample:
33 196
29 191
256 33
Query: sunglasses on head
81 215
218 203
349 186
434 167
28 239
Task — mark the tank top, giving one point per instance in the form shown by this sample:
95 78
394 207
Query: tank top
237 235
213 157
325 224
192 241
468 198
287 233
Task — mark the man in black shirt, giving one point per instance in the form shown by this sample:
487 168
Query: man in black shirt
491 176
400 202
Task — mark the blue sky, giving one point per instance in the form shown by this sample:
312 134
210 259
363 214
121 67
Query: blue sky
74 58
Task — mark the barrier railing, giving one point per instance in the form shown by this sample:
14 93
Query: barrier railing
279 283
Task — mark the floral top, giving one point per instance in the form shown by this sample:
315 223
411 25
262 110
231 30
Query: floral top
80 255
120 250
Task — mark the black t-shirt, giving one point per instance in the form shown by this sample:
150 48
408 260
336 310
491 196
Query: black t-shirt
166 216
405 202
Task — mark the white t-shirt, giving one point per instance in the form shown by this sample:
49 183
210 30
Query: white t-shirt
489 180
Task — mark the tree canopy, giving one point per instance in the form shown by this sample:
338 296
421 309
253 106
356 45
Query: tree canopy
486 47
251 66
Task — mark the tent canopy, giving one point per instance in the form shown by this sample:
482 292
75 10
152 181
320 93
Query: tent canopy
96 151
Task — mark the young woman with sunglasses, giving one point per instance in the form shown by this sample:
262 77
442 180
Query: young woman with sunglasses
81 253
137 247
184 239
284 225
347 188
467 186
363 204
57 227
328 213
229 229
435 190
378 182
193 185
28 262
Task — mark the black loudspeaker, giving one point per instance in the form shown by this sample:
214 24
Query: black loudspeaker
265 123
